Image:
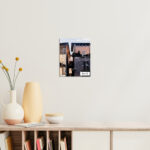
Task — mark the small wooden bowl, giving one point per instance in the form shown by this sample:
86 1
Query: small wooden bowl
54 118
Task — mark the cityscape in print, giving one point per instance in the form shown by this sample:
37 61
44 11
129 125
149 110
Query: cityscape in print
74 58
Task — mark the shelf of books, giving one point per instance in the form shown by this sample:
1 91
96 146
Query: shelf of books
36 140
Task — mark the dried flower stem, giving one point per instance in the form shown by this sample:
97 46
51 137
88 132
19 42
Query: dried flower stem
5 70
5 74
14 74
8 76
16 78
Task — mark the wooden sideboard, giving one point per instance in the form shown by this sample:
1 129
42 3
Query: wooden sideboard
73 133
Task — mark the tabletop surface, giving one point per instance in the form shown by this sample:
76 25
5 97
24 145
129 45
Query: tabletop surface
128 126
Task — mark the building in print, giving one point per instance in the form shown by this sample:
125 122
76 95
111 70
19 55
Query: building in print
81 55
74 57
62 60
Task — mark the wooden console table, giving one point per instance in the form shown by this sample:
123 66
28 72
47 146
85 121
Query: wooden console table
56 132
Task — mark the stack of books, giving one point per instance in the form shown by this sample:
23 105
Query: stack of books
63 144
27 145
50 144
40 143
5 141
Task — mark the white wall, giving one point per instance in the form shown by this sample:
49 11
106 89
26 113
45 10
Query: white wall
119 31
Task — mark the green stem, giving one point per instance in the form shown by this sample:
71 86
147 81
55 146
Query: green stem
14 73
12 88
6 77
5 74
16 78
9 79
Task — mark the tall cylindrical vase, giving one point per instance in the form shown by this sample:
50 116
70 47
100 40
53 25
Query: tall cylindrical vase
32 102
13 112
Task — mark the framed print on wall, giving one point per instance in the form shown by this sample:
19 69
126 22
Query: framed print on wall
74 58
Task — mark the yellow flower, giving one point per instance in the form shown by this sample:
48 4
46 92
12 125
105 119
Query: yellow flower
3 67
17 58
0 61
6 69
20 69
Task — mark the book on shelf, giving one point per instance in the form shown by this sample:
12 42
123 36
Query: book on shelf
27 145
63 144
8 141
50 144
3 136
5 141
40 143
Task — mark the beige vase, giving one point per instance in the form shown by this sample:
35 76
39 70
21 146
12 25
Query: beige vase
32 102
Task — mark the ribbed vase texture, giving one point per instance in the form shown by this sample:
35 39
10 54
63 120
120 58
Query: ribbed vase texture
32 102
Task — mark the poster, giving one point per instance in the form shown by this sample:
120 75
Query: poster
74 58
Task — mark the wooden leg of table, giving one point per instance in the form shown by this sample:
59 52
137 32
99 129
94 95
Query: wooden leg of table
59 139
111 140
23 139
71 140
47 139
35 138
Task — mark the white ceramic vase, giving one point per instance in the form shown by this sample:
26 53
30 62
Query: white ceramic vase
13 112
